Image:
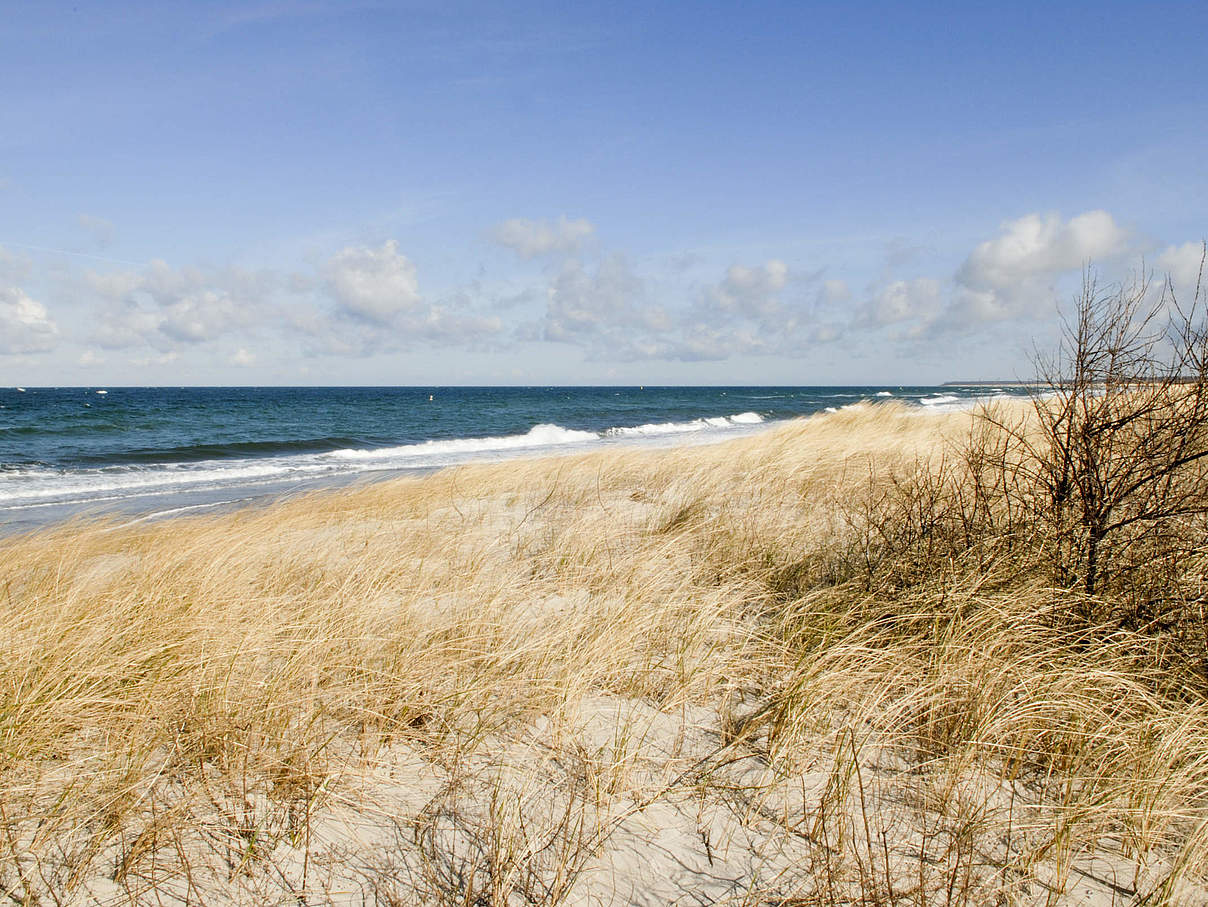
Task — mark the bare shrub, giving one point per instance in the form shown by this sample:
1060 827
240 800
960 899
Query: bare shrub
1116 465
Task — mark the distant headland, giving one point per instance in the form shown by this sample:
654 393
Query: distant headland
1011 382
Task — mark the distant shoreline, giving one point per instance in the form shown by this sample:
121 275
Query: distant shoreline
1014 382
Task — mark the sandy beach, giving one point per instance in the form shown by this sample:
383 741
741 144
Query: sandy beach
679 676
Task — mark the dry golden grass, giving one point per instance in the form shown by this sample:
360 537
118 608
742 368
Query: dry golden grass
730 673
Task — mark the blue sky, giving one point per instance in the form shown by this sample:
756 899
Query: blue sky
441 193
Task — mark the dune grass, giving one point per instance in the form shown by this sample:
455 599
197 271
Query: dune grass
787 670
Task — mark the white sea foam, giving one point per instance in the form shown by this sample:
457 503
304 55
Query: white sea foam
90 484
944 403
657 428
652 429
884 394
538 436
847 407
30 487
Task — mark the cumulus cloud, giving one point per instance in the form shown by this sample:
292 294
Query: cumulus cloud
378 306
359 301
1182 265
834 291
1013 276
201 316
603 310
367 299
751 292
745 313
710 342
127 325
373 284
609 313
1039 245
904 300
25 325
160 305
533 238
767 309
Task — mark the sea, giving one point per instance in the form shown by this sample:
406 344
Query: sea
147 453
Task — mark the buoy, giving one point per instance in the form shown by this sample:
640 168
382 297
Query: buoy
429 398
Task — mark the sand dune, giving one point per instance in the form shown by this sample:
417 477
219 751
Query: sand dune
629 677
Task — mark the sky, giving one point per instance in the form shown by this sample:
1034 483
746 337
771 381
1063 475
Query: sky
298 192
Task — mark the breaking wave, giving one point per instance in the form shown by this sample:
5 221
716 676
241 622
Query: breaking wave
28 485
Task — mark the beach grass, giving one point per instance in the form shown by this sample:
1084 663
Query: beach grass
801 667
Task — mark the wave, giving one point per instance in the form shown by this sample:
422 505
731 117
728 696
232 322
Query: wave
544 435
89 484
226 450
23 485
847 408
654 429
950 403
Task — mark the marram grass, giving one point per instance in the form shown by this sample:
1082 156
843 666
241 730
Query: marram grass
698 675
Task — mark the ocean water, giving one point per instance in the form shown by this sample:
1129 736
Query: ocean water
149 452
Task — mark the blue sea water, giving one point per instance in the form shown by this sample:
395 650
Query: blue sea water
149 451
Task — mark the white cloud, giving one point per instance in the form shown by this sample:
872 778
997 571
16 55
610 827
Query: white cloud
201 316
242 358
162 305
90 358
1038 245
531 238
604 311
904 300
745 313
609 314
834 291
1015 276
114 285
127 325
373 284
25 325
361 300
751 292
702 341
378 306
194 318
1182 265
